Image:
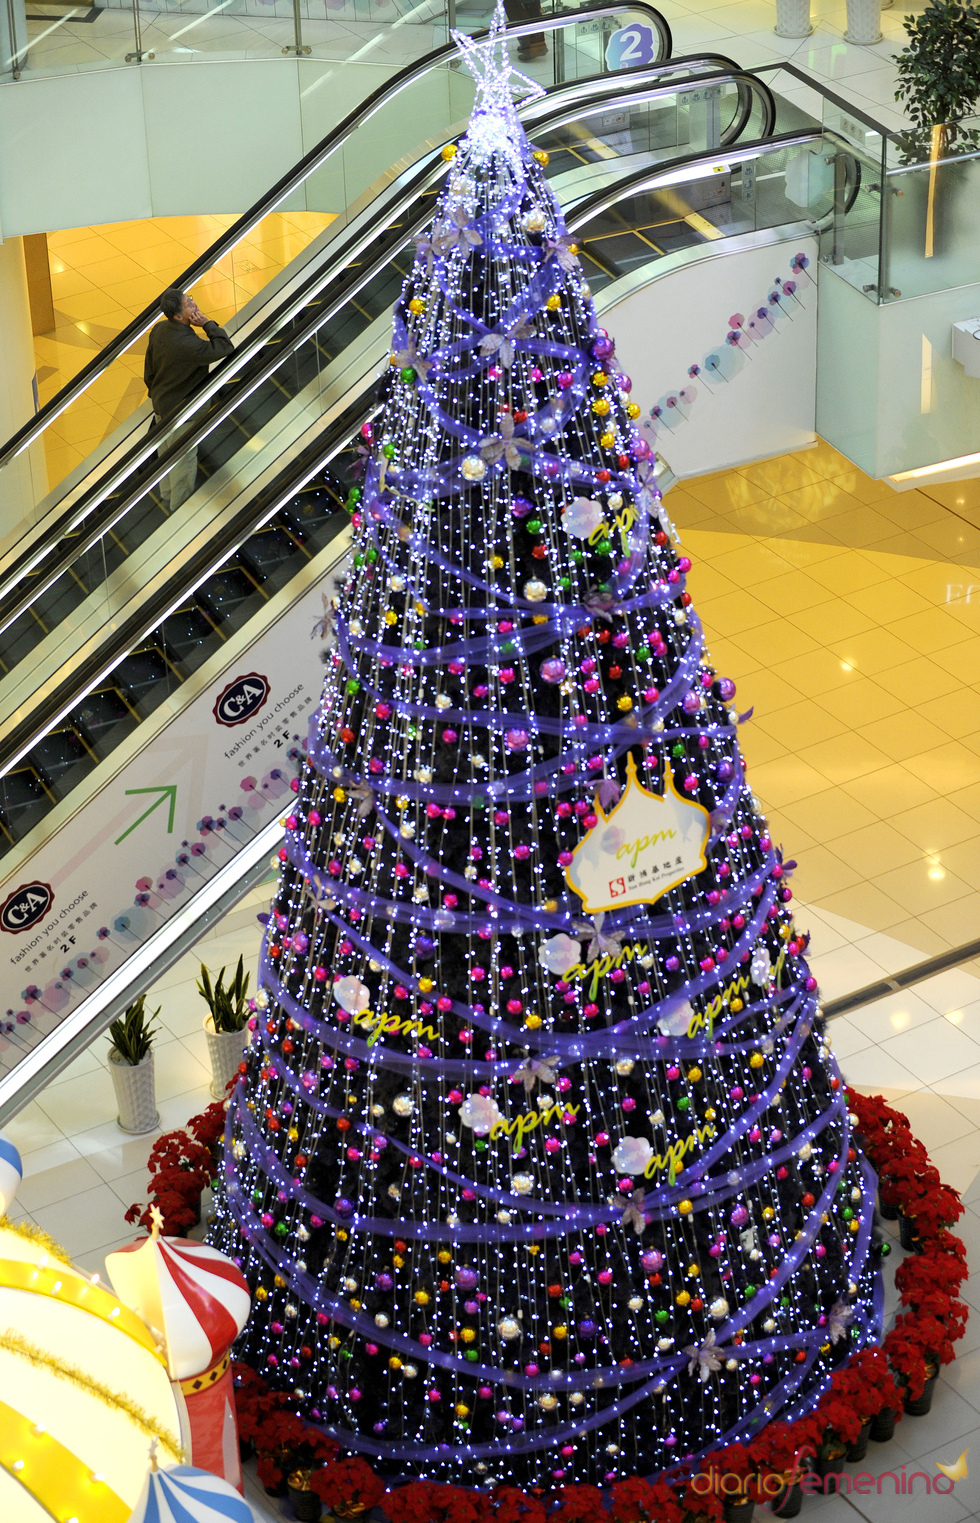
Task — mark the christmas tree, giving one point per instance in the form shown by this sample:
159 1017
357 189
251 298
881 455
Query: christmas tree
540 1168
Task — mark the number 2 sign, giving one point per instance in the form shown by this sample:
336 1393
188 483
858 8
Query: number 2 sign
631 45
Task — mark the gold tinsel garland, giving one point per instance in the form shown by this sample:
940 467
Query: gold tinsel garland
36 1235
13 1343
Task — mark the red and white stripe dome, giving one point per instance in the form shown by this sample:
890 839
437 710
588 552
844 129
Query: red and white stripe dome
191 1294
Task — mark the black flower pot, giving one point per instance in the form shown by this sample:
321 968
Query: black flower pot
832 1463
883 1427
923 1403
245 1449
886 1212
859 1448
738 1512
908 1234
305 1504
787 1503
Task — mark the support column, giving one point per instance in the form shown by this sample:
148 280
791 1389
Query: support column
23 482
13 38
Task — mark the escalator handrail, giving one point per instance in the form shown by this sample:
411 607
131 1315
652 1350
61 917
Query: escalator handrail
124 634
606 90
129 633
652 179
289 182
741 77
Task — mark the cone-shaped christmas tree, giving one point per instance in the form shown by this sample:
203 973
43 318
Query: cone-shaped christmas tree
541 1167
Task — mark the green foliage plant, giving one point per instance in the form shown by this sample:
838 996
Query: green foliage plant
132 1033
939 80
228 1006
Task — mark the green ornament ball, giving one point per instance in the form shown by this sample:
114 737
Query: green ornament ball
407 373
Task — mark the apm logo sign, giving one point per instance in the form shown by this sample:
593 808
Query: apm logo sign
25 907
241 699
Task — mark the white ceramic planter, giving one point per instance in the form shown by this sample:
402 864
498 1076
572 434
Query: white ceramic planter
863 22
793 18
135 1094
225 1050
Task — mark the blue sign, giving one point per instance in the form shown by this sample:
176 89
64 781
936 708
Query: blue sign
241 699
631 45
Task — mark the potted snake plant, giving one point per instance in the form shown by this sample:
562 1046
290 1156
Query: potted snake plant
225 1025
131 1066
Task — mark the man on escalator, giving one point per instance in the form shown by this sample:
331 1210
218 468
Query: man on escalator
176 362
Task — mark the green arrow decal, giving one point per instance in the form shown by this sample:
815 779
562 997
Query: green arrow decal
170 788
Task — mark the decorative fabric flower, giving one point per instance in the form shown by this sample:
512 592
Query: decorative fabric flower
560 250
703 1358
502 344
351 994
760 967
603 943
581 517
479 1112
837 1321
599 604
455 233
608 792
536 1071
325 628
559 954
502 446
677 1021
632 1155
409 357
633 1213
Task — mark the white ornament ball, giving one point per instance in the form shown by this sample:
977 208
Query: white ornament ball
522 1184
473 468
403 1105
535 591
509 1328
535 221
11 1173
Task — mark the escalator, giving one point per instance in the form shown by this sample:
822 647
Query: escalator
157 670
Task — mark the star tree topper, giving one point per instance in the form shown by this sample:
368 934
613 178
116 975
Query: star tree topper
494 121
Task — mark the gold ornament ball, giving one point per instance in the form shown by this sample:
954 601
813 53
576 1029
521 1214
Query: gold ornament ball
462 1410
444 1256
421 1298
473 468
632 409
541 157
624 704
449 152
685 1207
600 407
608 441
468 1335
756 1060
553 303
600 378
416 305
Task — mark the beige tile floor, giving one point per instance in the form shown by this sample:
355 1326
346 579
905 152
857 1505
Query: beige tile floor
849 616
102 277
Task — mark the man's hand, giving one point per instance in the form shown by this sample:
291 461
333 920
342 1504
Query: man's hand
195 316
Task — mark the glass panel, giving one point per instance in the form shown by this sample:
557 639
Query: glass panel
645 226
97 425
221 604
931 239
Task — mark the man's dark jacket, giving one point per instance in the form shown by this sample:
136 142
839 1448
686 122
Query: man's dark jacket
176 360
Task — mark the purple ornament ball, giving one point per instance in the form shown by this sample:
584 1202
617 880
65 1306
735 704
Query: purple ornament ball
553 670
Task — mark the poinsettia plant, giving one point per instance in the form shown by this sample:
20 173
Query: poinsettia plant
348 1480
